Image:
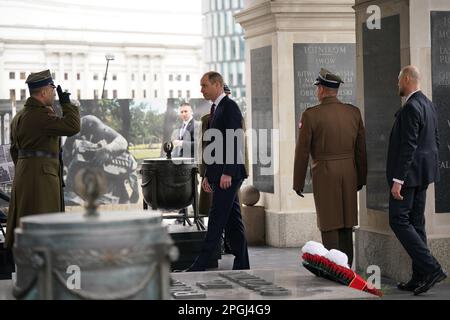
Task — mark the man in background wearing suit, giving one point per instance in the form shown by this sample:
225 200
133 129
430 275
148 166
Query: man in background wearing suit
185 141
224 175
412 164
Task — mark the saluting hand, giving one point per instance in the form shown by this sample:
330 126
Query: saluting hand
63 96
395 191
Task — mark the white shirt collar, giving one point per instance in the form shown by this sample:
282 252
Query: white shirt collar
410 95
219 98
189 120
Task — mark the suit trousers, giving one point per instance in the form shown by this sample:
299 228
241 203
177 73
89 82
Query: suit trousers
340 239
407 220
225 214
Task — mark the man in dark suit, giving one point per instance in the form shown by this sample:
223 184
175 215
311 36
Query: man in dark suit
185 140
225 171
184 143
412 165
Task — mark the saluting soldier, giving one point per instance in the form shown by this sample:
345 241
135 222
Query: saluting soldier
35 150
333 134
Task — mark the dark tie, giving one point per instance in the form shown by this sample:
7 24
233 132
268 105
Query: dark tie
211 114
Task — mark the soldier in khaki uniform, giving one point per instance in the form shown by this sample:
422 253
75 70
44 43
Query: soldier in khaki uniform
35 150
333 133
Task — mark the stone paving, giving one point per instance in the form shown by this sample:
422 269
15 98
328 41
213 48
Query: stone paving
285 262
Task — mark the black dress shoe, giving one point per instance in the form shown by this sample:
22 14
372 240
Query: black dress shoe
430 281
411 285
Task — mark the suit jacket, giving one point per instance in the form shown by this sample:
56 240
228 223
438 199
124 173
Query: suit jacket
413 154
201 144
188 138
333 134
226 116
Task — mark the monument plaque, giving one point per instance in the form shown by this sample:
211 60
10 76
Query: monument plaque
381 101
339 58
440 73
262 116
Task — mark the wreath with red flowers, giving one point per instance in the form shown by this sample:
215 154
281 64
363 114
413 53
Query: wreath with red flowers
325 268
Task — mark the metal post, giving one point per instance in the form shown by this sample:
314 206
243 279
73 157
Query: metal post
108 57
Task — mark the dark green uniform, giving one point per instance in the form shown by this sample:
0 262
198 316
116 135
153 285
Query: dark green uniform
37 186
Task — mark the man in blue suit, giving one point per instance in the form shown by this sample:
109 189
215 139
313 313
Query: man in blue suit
412 165
225 171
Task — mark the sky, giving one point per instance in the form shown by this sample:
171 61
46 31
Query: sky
163 16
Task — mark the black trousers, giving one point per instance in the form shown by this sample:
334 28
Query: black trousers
407 220
225 213
340 239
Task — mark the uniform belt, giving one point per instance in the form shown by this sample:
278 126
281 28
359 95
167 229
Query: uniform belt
325 157
37 154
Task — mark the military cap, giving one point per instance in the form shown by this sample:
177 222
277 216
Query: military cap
328 79
226 89
39 79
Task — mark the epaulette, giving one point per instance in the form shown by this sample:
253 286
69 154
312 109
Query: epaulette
312 107
351 105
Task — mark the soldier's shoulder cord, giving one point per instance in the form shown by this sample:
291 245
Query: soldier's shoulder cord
351 105
312 107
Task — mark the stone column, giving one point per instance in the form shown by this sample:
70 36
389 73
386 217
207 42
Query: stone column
129 70
60 78
3 89
2 128
86 77
73 75
163 95
139 77
7 117
150 79
286 44
409 32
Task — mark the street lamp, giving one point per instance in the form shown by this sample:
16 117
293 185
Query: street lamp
108 58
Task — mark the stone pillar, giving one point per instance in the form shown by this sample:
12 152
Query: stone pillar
163 95
129 85
2 128
3 89
286 44
73 75
86 77
417 32
139 77
150 78
61 56
6 120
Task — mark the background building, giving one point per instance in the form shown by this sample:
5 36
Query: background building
157 50
224 49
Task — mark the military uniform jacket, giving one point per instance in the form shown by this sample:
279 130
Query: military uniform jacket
333 134
37 186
